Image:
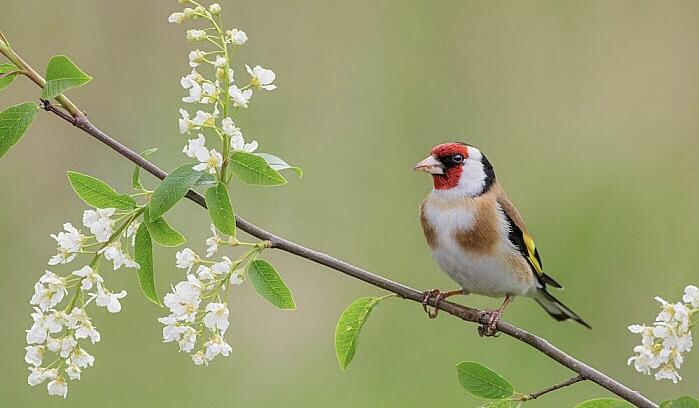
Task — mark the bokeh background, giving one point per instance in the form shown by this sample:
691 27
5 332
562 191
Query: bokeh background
588 109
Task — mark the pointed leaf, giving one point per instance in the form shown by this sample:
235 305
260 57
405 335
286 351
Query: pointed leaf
172 189
252 169
143 255
99 194
162 232
220 209
5 79
683 402
14 122
482 381
348 327
278 163
61 75
604 403
136 177
269 284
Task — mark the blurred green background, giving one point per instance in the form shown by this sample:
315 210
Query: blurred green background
589 111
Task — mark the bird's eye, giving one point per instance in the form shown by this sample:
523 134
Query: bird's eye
457 158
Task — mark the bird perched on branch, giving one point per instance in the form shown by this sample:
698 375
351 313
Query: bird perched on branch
478 238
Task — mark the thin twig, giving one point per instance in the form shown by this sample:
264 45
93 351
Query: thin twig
465 313
535 395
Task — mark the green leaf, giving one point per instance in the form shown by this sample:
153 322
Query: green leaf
252 169
349 326
483 382
61 75
604 403
136 178
220 209
269 284
207 180
14 122
683 402
278 163
172 189
6 80
162 232
144 257
99 194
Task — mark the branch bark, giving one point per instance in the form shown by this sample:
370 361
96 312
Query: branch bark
571 381
465 313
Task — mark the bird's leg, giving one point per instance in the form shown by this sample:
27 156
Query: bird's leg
438 297
489 328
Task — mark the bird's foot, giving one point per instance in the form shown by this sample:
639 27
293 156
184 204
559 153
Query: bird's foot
426 296
489 320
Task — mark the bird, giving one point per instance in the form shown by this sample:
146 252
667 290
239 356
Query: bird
479 239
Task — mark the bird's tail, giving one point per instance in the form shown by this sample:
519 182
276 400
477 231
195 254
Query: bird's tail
556 309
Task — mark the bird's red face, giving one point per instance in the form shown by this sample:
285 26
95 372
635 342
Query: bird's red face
445 164
458 167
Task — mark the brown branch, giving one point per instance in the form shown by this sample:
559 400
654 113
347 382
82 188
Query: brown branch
465 313
535 395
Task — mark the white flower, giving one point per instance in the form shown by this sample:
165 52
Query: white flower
691 296
131 232
81 358
90 277
110 300
210 160
196 57
198 358
223 267
34 355
212 242
215 346
236 278
63 345
204 273
185 123
192 83
215 8
69 244
40 374
188 339
172 330
228 127
238 143
262 78
216 317
193 145
211 93
196 35
58 387
49 291
184 300
73 371
113 252
99 223
185 259
220 61
240 97
176 18
43 325
669 373
80 322
203 118
236 37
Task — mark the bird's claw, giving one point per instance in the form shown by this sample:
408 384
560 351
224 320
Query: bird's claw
438 296
490 327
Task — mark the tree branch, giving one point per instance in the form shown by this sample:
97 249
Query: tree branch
535 395
465 313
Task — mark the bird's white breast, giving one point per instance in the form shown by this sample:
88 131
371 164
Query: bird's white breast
495 272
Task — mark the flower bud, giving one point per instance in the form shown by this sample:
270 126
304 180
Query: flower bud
215 9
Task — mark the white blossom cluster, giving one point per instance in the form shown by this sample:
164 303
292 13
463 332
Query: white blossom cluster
219 90
663 344
198 310
54 352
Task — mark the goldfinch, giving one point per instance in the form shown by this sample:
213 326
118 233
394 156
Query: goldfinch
477 236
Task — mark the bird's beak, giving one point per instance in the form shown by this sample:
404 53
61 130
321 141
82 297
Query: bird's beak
430 165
